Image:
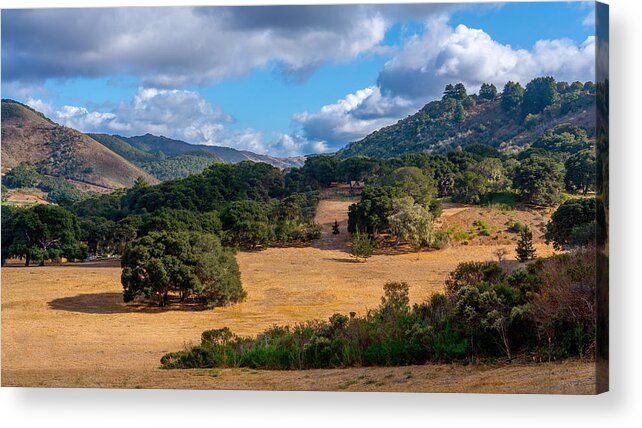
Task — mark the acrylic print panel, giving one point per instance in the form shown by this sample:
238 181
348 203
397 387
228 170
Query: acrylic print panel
384 197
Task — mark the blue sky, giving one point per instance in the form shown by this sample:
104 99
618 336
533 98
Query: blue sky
283 81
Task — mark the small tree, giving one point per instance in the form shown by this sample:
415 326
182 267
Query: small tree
411 223
184 263
362 246
525 250
335 228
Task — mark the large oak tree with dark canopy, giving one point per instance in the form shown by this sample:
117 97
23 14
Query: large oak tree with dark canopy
41 233
186 264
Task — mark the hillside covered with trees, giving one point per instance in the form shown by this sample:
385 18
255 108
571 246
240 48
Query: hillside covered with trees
509 120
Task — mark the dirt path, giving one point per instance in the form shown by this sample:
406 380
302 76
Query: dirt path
327 212
67 325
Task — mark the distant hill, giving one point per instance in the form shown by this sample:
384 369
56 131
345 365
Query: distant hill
154 144
29 136
439 126
166 158
157 163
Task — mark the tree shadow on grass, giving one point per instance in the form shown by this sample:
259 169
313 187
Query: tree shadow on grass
337 259
112 303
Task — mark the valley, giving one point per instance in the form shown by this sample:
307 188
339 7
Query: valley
72 323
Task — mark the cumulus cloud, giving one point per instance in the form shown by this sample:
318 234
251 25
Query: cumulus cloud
353 116
296 145
444 54
172 47
173 113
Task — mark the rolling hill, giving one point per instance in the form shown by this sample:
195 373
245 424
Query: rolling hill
436 128
157 163
136 148
166 158
29 136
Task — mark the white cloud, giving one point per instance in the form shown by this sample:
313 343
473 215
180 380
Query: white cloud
353 116
40 105
173 47
295 145
589 19
445 55
178 114
173 113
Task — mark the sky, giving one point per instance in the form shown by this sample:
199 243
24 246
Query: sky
279 80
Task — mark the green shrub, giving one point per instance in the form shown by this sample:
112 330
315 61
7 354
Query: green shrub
362 246
515 226
482 227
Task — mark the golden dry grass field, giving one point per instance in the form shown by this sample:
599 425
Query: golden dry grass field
66 326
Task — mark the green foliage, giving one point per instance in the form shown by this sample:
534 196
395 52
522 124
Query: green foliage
362 246
505 201
411 223
26 175
471 273
512 97
371 213
98 233
565 139
525 250
209 191
470 187
357 168
319 171
492 170
483 151
461 159
515 226
413 182
246 224
539 94
455 92
540 179
22 175
40 233
185 263
443 125
580 171
460 113
124 149
573 223
104 205
180 165
482 227
487 92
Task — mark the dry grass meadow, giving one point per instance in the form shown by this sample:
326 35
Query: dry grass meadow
66 326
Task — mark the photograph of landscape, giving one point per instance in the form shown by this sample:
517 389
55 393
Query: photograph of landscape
386 197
